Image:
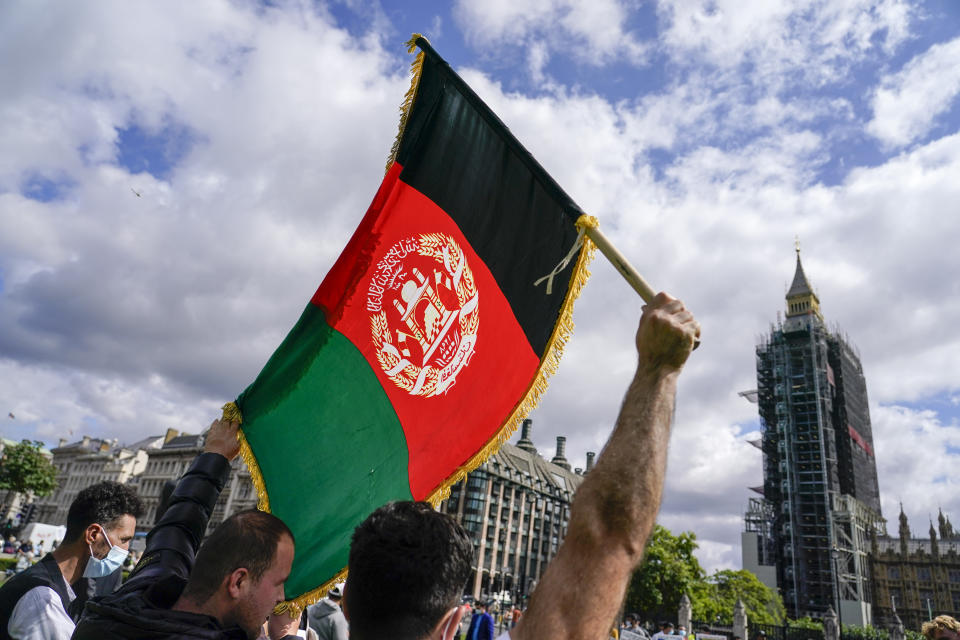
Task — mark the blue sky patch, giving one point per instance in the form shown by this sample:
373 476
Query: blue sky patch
946 404
140 150
46 188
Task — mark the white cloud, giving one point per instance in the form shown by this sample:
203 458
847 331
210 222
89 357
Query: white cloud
163 284
594 33
782 41
915 452
907 103
77 403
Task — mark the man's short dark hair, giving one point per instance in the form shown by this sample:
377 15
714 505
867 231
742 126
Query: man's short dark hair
103 503
408 566
247 539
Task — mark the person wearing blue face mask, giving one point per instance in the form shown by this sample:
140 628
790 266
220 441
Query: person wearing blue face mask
41 603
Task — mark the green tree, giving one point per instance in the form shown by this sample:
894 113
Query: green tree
23 468
719 595
669 570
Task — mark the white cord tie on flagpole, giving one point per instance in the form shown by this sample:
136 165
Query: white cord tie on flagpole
583 222
557 270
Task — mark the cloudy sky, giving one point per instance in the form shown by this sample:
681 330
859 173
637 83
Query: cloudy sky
176 179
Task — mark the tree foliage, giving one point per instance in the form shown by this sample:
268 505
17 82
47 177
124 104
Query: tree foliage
23 468
718 597
669 569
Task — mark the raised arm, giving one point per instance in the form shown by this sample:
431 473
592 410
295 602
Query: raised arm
615 508
173 541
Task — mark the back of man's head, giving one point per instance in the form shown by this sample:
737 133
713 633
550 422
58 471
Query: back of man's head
408 566
247 539
102 503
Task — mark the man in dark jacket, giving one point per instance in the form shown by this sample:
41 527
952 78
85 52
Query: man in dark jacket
229 590
481 625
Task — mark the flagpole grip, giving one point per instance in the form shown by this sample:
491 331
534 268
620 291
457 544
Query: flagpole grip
621 264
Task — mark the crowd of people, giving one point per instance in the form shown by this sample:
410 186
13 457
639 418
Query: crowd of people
408 564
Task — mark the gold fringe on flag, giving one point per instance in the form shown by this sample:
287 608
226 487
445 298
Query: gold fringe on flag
295 607
416 67
231 413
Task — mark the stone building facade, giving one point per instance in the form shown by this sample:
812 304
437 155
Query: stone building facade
169 462
146 465
516 507
916 578
88 461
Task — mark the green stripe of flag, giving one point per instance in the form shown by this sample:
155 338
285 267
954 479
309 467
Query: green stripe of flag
317 379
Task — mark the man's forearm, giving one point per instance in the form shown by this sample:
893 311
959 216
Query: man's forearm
611 518
616 506
618 501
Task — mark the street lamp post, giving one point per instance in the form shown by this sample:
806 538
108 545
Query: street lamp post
835 556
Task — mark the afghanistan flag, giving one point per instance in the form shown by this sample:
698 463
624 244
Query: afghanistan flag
428 341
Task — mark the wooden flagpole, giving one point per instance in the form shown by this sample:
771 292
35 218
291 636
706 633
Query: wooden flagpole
621 264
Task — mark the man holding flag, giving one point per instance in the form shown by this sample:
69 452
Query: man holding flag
612 516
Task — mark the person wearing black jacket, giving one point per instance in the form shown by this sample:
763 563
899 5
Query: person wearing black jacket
227 589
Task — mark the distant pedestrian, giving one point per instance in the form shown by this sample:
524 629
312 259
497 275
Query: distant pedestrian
481 625
326 616
666 629
281 626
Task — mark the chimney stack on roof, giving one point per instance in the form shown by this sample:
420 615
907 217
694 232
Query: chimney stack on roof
525 442
171 434
63 441
590 457
559 459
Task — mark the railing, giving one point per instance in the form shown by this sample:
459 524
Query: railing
777 632
700 626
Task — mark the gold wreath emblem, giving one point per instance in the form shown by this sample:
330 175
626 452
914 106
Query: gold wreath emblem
443 352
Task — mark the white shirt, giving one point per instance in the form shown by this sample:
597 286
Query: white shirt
39 615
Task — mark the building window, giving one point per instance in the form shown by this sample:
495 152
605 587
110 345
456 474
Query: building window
954 577
923 574
893 573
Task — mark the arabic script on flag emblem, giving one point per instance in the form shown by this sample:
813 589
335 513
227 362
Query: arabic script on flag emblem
424 317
